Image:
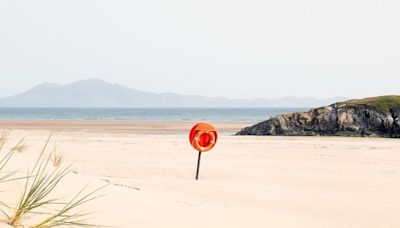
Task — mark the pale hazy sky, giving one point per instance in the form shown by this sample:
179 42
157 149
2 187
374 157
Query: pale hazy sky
238 49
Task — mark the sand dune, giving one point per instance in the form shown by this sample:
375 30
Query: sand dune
245 182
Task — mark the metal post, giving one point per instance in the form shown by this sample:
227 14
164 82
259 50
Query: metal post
198 166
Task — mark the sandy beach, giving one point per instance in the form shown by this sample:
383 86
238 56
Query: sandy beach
310 182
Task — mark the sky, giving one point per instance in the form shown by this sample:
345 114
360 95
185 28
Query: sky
234 49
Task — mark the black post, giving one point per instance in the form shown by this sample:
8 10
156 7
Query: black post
198 166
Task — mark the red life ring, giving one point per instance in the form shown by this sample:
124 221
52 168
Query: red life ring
203 137
204 141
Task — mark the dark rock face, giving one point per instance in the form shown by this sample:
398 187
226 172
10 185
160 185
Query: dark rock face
336 119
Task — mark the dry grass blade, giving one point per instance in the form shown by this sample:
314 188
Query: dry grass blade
4 160
20 147
64 217
37 188
56 158
36 196
36 192
3 138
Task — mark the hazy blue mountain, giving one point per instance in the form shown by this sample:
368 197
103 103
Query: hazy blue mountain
98 93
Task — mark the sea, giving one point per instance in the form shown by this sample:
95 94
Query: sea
146 114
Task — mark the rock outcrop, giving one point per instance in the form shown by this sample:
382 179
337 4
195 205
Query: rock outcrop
340 119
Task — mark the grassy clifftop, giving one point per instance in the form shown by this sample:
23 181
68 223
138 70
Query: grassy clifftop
382 103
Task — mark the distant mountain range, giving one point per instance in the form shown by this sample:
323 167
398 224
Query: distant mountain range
98 93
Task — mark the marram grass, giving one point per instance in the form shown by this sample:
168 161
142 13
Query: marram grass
56 157
4 158
20 146
35 198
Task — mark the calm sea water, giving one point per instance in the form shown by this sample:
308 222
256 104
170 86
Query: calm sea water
146 114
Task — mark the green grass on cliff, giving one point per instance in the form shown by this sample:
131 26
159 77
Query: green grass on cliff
382 103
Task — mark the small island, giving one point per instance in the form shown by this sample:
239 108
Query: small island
375 116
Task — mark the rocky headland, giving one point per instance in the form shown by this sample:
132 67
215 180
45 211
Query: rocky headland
375 116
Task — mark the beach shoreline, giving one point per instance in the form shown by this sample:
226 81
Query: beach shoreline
254 181
118 125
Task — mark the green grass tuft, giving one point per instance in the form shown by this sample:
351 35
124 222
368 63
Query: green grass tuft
381 104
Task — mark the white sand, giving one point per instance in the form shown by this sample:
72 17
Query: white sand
245 181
